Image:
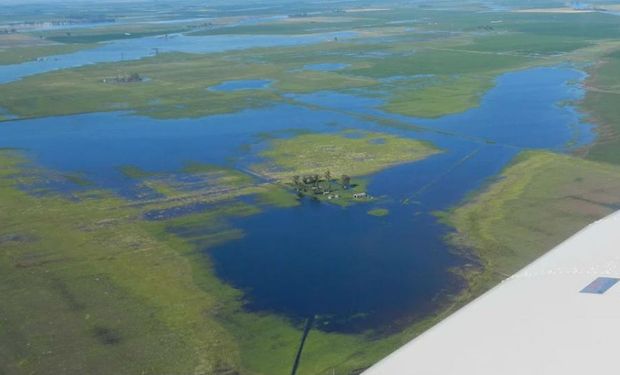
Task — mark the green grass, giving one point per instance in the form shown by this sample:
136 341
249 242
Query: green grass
379 212
441 97
167 94
539 201
592 26
311 25
89 286
601 102
352 153
460 78
17 55
527 44
464 64
439 62
112 32
178 86
349 153
278 197
86 274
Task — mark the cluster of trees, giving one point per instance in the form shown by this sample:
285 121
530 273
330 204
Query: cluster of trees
133 77
320 184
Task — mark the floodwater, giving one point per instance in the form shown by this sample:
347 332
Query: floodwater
353 270
138 48
245 84
358 272
325 67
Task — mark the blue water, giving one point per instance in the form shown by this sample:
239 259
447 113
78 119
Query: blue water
246 84
325 67
532 115
358 272
353 270
138 48
96 144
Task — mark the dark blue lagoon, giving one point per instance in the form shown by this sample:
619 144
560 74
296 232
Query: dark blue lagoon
353 270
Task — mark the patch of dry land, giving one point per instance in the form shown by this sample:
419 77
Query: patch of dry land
352 153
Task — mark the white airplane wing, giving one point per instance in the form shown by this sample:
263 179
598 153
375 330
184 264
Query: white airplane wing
559 315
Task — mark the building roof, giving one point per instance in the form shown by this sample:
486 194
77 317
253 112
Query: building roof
559 315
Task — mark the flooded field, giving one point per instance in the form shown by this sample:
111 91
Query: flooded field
232 189
330 254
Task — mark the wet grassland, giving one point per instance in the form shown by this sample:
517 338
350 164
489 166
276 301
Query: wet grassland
116 281
540 200
427 71
80 269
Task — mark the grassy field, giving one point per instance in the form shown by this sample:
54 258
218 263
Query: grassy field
17 55
355 154
441 96
350 153
601 102
111 32
306 25
525 44
178 86
539 201
88 274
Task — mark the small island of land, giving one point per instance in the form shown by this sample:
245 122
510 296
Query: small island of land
379 212
331 166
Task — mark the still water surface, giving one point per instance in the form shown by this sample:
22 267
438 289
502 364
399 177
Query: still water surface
354 270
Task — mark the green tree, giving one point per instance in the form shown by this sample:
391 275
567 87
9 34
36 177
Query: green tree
328 179
345 181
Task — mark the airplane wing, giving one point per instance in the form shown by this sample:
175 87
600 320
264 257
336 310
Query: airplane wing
559 315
